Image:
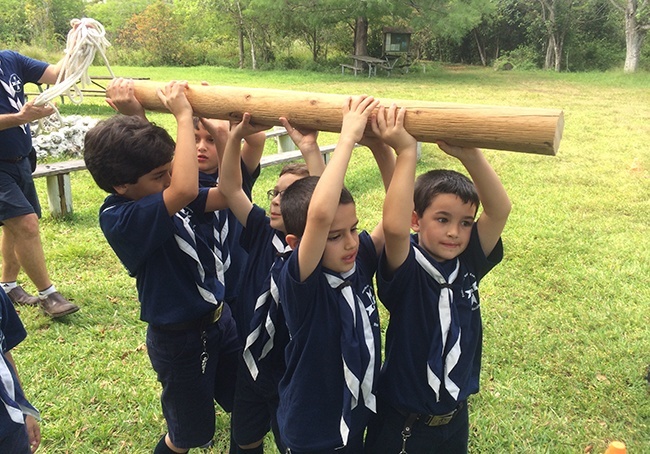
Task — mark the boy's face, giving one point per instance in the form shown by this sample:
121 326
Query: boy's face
343 240
445 226
274 210
206 150
150 183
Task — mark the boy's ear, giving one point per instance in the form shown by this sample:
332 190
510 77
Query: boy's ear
415 222
121 189
292 241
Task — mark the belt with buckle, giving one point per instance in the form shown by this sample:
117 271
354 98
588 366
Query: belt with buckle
207 320
439 420
433 420
14 160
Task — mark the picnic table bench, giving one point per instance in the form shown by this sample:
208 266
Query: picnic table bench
57 174
387 64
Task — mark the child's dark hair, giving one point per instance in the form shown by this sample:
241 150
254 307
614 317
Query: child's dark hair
441 181
121 149
294 204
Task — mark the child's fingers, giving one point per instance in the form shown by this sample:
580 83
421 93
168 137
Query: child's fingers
367 104
381 118
400 116
285 123
347 105
374 124
390 115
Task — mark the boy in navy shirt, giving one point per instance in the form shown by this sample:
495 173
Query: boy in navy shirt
151 221
19 429
263 326
326 293
429 284
210 137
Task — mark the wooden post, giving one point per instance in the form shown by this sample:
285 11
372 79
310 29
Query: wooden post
528 130
59 195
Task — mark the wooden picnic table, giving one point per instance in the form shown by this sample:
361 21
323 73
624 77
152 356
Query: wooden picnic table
97 89
372 63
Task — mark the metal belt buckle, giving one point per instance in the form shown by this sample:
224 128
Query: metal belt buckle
216 315
439 420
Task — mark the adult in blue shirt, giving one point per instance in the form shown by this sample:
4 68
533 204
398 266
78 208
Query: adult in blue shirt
19 205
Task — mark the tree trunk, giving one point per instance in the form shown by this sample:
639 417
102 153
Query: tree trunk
481 49
634 37
559 45
253 57
361 36
240 21
242 50
548 59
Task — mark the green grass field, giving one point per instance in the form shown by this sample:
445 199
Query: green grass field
566 315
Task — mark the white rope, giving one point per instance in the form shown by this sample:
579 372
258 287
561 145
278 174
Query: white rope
85 39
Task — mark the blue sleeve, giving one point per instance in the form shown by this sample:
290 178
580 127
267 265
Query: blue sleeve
298 298
32 69
249 179
257 229
475 258
12 331
367 258
135 228
387 289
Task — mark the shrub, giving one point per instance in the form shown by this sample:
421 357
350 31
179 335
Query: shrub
522 58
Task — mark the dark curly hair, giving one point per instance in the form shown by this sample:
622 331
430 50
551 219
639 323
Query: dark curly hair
120 149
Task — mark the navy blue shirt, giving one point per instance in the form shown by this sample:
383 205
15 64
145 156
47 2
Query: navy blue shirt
12 332
174 266
227 229
313 387
15 71
410 294
258 240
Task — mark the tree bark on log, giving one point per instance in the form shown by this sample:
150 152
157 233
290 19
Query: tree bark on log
528 130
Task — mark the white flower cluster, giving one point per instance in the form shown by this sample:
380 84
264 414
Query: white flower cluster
67 140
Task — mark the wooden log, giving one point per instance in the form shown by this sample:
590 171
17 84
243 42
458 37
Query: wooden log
528 130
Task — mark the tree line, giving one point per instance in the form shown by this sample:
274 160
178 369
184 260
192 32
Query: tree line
559 35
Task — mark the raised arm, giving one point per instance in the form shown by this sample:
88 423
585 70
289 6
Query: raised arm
493 196
230 177
398 204
306 141
252 149
184 185
385 158
383 153
325 199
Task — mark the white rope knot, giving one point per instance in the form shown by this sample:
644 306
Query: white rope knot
84 40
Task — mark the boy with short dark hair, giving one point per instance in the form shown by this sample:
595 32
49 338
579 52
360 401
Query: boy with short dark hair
19 429
263 327
210 136
151 221
429 283
327 296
